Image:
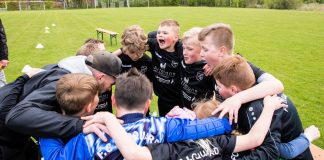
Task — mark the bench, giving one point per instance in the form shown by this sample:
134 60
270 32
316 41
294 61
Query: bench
317 152
111 34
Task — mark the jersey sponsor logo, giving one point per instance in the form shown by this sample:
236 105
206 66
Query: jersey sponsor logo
144 69
162 80
162 73
163 65
201 154
126 66
234 156
174 64
199 76
186 80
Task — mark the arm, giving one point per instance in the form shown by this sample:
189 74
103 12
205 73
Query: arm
259 130
3 47
117 52
54 149
293 148
35 115
178 129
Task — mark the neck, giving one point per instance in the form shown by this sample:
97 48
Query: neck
120 111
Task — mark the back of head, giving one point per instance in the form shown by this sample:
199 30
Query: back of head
75 91
235 71
132 90
171 23
88 49
94 41
191 36
222 35
134 40
204 108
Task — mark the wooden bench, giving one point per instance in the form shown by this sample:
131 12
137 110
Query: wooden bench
318 153
111 34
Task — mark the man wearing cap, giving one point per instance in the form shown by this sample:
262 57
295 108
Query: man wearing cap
36 112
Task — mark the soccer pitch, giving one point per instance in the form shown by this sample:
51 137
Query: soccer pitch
287 44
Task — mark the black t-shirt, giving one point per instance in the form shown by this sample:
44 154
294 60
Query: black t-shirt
104 102
195 85
144 65
257 73
166 69
221 147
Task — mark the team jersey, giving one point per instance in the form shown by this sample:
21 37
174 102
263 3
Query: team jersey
194 84
144 65
104 102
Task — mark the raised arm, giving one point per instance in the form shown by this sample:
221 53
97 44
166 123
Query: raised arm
118 52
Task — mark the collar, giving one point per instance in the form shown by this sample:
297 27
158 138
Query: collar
132 117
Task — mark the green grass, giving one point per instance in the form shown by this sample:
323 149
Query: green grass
288 44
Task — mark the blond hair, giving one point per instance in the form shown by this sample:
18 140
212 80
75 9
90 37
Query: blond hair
75 91
235 71
88 49
222 35
191 36
204 108
171 23
134 40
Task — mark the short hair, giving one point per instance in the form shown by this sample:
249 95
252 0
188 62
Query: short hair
191 35
87 49
132 90
235 71
205 107
94 41
222 35
75 91
134 40
171 23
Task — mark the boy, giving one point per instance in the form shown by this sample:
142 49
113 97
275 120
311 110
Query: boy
87 49
233 76
131 107
166 50
217 42
194 84
132 52
99 43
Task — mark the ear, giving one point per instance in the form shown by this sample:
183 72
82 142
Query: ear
88 108
234 89
222 51
147 106
99 76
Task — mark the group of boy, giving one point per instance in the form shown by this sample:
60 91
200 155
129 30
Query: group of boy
31 111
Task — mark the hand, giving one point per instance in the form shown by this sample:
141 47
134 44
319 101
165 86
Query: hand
97 129
34 71
208 70
100 117
231 106
3 64
178 112
312 133
274 101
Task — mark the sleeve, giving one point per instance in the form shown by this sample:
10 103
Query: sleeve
268 149
226 143
3 43
35 115
178 129
54 149
293 148
161 151
10 94
257 71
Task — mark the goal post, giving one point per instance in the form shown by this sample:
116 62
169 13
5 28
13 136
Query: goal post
31 5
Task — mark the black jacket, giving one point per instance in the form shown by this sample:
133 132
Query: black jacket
3 43
38 101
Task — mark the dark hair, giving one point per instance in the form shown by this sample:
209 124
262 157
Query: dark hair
94 41
132 90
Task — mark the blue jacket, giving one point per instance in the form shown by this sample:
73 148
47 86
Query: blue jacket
144 130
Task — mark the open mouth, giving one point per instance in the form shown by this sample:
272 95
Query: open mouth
161 41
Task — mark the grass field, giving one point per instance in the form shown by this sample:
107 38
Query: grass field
288 44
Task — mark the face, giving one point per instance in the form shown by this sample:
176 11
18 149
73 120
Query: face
134 56
224 91
94 104
105 82
210 53
166 38
191 52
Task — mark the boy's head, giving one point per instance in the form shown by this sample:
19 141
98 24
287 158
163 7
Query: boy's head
98 42
204 108
77 94
88 49
168 34
233 75
217 43
134 42
191 45
133 91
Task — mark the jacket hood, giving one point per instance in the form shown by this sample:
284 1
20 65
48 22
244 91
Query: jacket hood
75 64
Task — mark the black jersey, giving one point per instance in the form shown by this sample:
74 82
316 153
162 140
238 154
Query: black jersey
194 84
144 65
166 69
221 147
257 73
104 102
